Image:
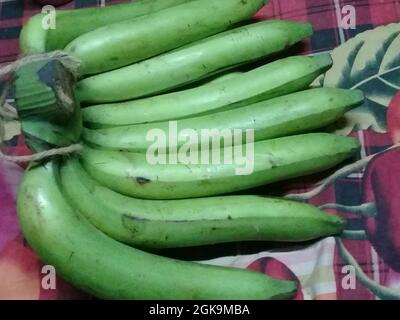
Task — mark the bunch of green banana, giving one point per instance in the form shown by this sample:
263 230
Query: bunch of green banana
274 79
85 213
108 269
192 222
196 61
291 114
70 24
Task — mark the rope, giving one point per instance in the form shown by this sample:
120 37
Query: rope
7 112
74 148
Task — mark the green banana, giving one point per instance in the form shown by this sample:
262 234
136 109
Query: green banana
295 113
106 268
271 80
192 222
32 38
73 23
126 42
194 62
138 175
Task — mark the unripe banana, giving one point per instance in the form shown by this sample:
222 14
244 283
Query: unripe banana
273 160
74 23
35 38
193 62
193 222
32 38
129 41
271 80
106 268
291 114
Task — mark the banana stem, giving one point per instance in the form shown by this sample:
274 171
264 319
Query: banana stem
377 289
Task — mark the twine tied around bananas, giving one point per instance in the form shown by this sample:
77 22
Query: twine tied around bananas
58 64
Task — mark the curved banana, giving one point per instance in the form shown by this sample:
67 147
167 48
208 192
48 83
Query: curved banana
32 38
271 80
291 114
128 41
140 176
193 222
35 38
109 269
196 61
74 23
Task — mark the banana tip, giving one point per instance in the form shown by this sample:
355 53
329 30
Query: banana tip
288 290
339 222
359 95
300 31
323 60
307 28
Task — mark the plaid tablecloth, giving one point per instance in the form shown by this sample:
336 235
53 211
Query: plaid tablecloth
365 262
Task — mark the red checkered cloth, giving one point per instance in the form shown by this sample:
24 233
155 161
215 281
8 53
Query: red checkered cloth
325 269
